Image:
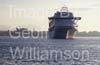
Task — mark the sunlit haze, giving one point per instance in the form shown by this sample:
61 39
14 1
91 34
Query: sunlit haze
36 12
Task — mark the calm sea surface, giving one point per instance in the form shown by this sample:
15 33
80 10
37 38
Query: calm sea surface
79 51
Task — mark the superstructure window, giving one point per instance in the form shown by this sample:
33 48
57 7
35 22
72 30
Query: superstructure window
64 14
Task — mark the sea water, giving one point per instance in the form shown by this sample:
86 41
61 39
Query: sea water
78 51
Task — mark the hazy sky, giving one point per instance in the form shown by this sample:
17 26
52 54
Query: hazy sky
35 13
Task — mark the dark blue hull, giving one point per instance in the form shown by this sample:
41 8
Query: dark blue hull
62 25
60 32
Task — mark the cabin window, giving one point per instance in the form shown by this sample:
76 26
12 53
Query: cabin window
64 14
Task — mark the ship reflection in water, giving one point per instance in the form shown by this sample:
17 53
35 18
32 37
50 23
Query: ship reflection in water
62 25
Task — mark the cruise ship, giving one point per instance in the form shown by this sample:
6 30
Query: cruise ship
63 24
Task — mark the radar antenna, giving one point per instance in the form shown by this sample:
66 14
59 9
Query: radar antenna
64 9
